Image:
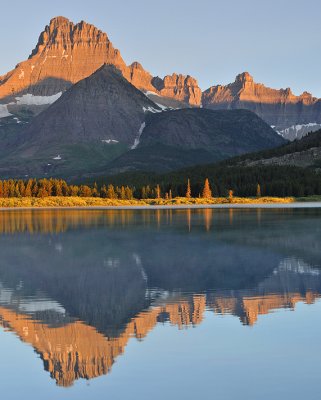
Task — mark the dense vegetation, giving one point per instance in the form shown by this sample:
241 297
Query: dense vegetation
273 180
59 188
312 140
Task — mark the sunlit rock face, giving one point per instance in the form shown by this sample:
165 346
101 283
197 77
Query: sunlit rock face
180 87
67 53
279 108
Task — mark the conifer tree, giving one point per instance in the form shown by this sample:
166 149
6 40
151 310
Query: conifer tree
207 193
188 190
85 191
111 194
122 193
258 190
103 192
95 190
128 193
28 190
158 192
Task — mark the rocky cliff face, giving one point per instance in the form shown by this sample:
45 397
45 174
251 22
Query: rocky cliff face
279 108
179 87
67 53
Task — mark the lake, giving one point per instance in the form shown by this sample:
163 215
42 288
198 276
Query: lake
160 304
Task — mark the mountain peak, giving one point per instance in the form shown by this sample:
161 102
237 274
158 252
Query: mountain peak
56 21
244 77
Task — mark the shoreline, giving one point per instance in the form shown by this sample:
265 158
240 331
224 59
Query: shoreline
293 205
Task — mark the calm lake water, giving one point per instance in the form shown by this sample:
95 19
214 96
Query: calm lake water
160 304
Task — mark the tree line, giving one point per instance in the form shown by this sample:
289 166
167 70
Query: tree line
59 187
202 181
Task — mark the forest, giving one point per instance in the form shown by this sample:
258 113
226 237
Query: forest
191 182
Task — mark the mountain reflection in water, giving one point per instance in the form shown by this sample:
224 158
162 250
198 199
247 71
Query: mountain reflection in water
77 285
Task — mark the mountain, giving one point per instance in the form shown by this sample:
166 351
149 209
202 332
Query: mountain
91 123
103 124
175 139
67 53
279 108
301 153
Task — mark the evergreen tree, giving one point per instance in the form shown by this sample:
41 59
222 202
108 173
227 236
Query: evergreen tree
258 190
207 193
188 190
94 191
158 192
103 191
85 191
111 194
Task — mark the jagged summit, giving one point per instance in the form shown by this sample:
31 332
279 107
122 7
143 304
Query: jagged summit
278 107
67 53
244 77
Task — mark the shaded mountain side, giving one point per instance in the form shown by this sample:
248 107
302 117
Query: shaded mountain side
280 108
180 138
227 132
88 130
155 158
104 106
93 122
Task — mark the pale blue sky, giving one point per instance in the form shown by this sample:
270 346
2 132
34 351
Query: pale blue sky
277 41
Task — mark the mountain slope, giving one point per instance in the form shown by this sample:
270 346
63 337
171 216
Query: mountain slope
99 114
300 153
279 108
175 139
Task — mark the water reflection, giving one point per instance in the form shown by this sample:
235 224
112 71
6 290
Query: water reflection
77 285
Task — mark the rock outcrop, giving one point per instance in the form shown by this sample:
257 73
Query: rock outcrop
279 108
180 87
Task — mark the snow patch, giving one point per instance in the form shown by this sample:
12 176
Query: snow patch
4 111
151 109
110 141
296 266
58 157
298 131
151 93
164 108
137 140
31 100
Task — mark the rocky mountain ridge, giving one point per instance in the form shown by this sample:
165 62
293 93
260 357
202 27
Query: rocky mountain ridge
67 53
279 108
